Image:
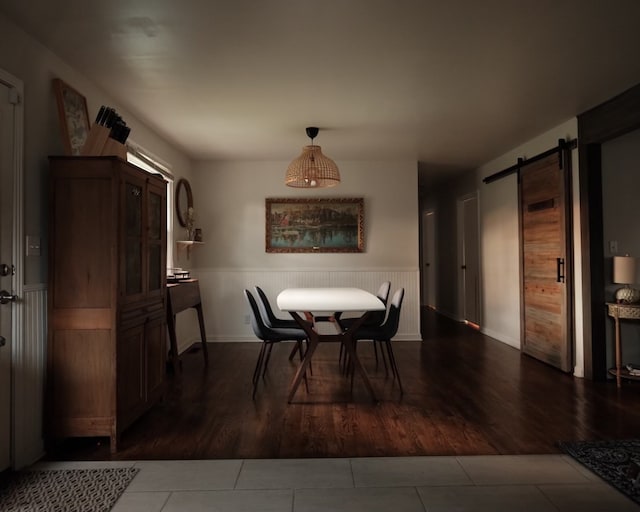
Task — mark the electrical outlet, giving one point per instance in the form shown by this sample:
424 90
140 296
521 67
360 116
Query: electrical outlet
33 245
247 320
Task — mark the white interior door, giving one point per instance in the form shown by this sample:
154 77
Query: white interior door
470 265
429 259
6 275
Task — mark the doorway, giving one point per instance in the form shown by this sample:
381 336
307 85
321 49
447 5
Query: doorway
544 188
429 259
8 101
469 260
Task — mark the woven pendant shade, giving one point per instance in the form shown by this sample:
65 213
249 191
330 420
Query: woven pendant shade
312 169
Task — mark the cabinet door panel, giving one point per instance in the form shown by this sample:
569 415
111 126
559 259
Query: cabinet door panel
156 239
133 264
131 389
156 356
80 374
82 276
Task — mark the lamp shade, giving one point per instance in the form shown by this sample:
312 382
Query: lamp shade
624 269
312 170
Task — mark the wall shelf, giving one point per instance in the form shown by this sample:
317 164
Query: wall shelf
187 244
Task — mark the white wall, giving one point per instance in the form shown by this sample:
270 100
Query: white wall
36 66
229 203
499 244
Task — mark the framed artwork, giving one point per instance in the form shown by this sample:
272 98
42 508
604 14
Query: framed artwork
315 225
74 118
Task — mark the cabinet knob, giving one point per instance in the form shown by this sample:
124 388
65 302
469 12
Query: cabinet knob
6 297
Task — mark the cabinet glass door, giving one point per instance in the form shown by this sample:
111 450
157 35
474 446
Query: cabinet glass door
133 238
156 237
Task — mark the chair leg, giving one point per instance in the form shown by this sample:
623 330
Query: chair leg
256 371
258 367
394 366
266 362
375 352
384 359
352 365
302 354
346 365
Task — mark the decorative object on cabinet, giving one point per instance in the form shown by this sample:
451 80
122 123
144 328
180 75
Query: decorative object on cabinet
315 225
107 352
74 117
625 272
312 169
108 135
622 312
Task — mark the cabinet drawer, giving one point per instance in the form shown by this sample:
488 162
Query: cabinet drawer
140 313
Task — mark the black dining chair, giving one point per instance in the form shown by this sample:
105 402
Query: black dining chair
271 320
269 316
384 332
269 336
374 319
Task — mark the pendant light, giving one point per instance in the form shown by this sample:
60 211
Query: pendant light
312 169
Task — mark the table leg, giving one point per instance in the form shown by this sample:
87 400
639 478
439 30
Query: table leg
350 347
203 336
302 369
173 343
618 351
347 341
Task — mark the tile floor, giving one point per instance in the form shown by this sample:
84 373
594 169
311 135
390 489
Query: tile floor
537 483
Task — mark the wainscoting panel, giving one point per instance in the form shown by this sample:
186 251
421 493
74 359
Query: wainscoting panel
29 358
226 312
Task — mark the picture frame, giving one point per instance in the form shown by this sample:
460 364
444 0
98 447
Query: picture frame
73 115
322 225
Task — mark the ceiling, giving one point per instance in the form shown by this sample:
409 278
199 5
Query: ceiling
451 84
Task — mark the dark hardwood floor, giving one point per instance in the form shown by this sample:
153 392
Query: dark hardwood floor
465 394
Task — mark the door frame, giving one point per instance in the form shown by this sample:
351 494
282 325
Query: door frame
461 243
609 120
17 283
423 258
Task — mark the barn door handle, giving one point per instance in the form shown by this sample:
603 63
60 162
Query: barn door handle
560 270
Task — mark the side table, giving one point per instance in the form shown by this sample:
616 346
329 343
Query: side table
180 296
621 312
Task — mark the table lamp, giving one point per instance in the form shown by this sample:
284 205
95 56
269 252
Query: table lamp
624 272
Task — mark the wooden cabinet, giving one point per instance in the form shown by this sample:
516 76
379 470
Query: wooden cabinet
106 356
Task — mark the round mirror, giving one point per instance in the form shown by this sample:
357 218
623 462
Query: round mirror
184 201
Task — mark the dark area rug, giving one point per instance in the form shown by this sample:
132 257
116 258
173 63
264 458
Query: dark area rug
72 490
616 462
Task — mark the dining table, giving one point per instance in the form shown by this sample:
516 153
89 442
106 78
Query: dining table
303 303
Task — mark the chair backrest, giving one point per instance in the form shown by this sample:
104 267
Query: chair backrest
257 324
377 317
383 292
266 311
390 327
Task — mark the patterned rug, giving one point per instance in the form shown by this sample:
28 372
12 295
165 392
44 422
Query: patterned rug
616 462
73 490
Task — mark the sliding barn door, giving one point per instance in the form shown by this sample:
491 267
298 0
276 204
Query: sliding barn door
546 297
